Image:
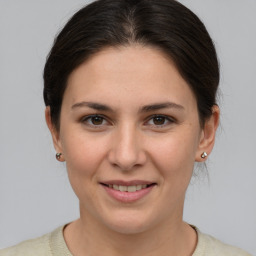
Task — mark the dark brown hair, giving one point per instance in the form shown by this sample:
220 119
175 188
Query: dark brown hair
165 24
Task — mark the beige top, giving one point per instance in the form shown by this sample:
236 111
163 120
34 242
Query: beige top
53 244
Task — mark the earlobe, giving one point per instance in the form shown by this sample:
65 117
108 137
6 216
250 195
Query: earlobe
54 133
208 133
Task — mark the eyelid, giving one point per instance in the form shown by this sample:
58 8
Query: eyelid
168 118
85 119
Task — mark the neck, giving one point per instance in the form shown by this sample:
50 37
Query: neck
86 236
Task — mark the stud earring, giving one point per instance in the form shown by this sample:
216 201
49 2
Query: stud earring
58 156
204 155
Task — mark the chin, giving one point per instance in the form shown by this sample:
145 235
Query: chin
129 224
128 228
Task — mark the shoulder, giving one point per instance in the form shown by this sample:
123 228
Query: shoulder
47 245
38 246
210 246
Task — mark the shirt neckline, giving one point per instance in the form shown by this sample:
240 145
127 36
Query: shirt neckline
59 247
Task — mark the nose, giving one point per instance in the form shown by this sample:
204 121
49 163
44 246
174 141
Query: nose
127 151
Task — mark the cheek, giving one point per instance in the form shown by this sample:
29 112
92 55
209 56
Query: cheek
83 157
174 155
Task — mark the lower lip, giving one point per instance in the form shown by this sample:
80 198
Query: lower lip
128 197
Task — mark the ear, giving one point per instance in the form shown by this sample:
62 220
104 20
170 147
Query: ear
55 134
208 133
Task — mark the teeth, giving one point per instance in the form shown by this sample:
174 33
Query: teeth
131 188
138 187
127 188
123 188
116 187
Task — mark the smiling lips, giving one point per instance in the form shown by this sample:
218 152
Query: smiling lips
127 188
128 191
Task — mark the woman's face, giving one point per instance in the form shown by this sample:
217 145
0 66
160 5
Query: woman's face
129 122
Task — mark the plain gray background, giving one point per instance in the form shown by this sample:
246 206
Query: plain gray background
35 195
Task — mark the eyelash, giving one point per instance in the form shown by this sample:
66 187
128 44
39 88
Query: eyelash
167 120
87 120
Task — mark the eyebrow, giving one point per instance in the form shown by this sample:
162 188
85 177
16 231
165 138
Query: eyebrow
159 106
93 105
146 108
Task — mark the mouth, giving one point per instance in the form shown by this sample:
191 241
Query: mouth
132 188
128 192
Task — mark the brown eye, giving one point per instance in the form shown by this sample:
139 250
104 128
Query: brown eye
94 120
159 120
97 120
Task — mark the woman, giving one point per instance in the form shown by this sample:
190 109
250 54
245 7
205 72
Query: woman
130 94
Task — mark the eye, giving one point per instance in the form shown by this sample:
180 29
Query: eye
160 120
94 120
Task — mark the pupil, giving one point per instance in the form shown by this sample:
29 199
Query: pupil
97 120
159 120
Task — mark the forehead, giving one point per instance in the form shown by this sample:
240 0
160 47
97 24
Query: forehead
128 74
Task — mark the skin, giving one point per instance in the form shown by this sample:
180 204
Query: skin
129 143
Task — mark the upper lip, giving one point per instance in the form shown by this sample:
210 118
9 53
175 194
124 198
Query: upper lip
127 183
